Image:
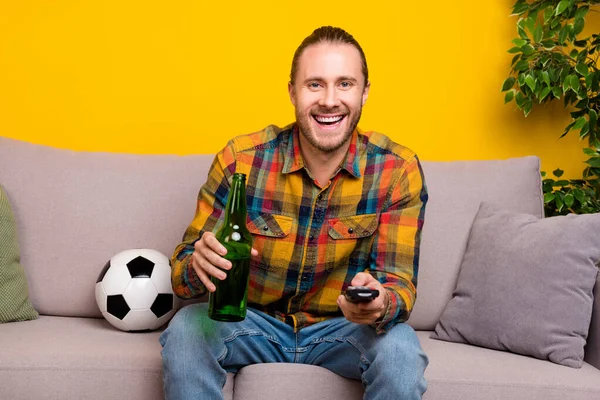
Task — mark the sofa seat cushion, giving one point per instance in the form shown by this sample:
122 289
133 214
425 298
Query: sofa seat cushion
462 371
78 358
456 371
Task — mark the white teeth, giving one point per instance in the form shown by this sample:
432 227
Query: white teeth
329 120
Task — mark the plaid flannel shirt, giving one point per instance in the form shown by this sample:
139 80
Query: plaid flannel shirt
313 240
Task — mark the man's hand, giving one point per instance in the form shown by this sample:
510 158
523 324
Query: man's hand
365 313
207 260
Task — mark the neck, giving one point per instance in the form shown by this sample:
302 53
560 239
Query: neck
322 164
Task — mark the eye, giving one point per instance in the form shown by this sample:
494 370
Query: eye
346 84
313 85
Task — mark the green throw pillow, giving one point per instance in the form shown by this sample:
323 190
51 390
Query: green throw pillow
14 294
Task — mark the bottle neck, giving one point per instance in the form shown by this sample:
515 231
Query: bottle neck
235 210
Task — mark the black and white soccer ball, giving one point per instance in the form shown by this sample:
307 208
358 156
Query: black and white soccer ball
134 291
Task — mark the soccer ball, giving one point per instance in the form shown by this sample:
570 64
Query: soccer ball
134 291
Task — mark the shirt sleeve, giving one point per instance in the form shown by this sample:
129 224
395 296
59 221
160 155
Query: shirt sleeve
210 206
395 251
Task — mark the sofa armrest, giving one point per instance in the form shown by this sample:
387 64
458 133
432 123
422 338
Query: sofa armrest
592 348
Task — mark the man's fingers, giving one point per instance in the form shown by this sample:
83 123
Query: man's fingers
357 313
203 276
211 269
362 279
213 259
210 242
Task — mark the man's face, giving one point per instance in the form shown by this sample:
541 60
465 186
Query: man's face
328 94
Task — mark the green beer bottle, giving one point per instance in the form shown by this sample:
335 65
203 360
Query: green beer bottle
228 302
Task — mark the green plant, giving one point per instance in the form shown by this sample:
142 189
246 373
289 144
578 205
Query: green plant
552 61
578 196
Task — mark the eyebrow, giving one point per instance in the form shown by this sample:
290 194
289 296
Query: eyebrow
341 78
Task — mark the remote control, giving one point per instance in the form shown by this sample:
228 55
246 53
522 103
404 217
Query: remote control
360 294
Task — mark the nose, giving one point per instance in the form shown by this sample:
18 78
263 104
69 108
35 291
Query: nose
330 98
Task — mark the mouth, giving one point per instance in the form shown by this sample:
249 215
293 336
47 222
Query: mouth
328 120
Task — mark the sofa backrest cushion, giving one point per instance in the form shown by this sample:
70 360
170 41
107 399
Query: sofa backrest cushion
456 190
75 210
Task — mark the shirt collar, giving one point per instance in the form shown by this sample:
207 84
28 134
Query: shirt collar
294 161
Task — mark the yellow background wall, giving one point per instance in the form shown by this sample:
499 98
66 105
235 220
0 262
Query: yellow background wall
184 76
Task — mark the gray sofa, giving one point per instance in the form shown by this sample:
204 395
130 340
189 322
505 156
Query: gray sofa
74 210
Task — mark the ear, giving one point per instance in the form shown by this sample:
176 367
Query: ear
292 93
365 94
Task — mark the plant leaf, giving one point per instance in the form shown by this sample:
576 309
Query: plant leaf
548 14
575 85
528 49
527 106
520 8
559 201
514 50
566 84
594 162
522 65
515 58
546 78
520 99
522 33
520 42
508 83
562 35
558 172
579 195
582 12
545 92
556 92
537 32
582 68
548 44
509 96
530 81
579 123
529 21
590 152
578 25
548 197
569 200
562 6
584 131
593 118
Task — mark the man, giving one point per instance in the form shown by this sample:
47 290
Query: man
328 206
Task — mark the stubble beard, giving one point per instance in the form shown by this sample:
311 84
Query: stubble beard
304 124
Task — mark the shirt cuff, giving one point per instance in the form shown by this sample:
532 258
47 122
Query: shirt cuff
390 317
195 286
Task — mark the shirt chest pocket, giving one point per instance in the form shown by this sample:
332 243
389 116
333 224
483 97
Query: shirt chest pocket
352 227
269 225
350 241
272 240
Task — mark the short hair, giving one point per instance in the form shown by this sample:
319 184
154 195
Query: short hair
333 35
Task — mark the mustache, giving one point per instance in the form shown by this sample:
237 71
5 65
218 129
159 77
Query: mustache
338 110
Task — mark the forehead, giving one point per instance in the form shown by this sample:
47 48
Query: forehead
329 61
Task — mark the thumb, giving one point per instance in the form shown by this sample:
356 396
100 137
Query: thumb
361 279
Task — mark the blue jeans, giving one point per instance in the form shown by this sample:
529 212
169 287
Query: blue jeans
198 352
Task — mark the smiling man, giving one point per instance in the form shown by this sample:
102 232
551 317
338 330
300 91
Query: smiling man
329 207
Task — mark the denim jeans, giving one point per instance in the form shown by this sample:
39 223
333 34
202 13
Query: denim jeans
198 352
